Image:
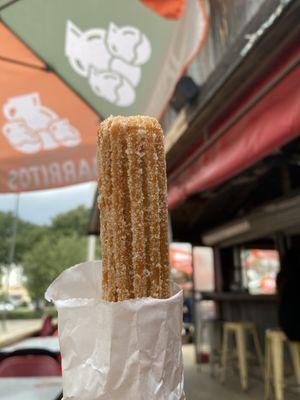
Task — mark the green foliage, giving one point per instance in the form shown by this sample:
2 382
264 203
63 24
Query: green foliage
45 251
72 221
3 297
27 234
6 220
26 313
48 258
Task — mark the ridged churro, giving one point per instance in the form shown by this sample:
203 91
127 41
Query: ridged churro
133 208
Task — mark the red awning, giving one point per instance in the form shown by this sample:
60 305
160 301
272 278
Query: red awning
272 122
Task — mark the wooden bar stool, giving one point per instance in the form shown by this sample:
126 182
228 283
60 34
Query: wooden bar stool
275 340
240 329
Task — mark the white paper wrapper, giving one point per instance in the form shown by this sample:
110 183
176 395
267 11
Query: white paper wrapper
129 350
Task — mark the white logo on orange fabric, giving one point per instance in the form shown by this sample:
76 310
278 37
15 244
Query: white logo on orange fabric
111 60
31 127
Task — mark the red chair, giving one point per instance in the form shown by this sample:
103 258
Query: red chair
47 327
55 333
30 365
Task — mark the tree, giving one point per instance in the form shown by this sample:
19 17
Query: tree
48 258
72 221
27 234
45 251
6 219
75 220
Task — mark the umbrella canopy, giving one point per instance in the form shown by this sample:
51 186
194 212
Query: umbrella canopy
65 64
47 132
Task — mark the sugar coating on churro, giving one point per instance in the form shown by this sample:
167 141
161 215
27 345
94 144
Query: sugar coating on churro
133 208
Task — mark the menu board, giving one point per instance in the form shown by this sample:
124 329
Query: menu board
260 268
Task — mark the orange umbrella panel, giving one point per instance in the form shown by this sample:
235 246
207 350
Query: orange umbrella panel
47 133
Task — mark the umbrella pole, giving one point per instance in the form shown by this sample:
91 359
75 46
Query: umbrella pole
91 247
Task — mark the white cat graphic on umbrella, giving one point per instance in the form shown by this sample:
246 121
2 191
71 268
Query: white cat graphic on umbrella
32 127
111 60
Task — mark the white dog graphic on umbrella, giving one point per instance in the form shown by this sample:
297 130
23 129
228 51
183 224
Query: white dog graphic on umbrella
32 127
110 59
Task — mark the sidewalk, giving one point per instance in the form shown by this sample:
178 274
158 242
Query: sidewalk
200 386
16 324
18 329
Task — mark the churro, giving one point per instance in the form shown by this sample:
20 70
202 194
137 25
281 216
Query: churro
133 209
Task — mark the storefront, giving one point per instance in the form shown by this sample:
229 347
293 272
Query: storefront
234 170
233 154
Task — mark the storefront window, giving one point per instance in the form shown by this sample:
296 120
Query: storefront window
181 264
203 269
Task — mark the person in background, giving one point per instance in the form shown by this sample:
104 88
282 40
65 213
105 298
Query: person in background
187 315
288 288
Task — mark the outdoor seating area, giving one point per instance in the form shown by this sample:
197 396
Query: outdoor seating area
247 359
35 373
30 368
201 385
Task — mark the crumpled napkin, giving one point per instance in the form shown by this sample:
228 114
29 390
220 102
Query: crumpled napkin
128 350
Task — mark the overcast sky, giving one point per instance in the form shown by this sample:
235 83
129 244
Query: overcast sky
41 206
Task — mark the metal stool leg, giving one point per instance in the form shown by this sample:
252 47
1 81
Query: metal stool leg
267 368
257 346
277 358
295 354
224 355
211 335
199 361
241 347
